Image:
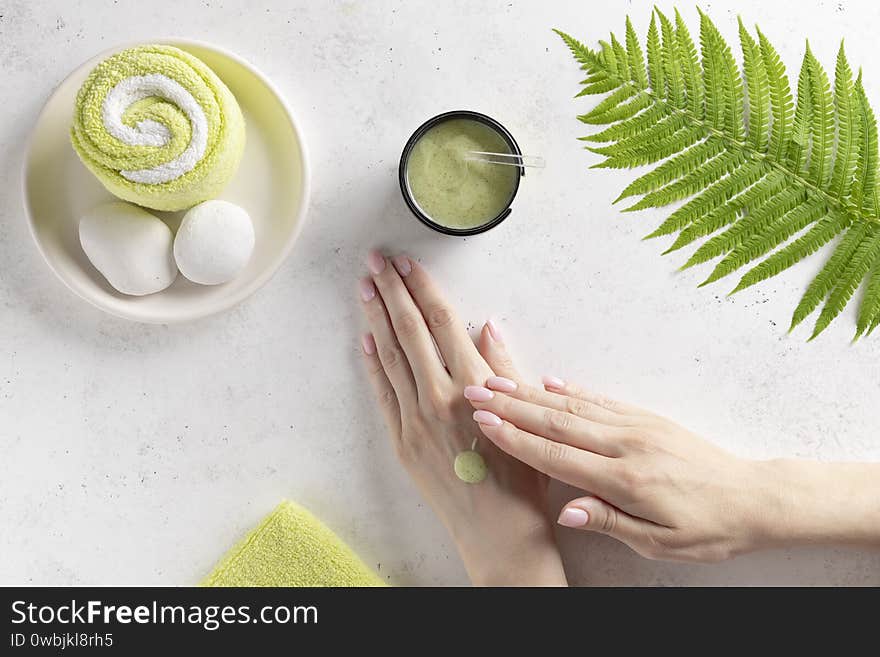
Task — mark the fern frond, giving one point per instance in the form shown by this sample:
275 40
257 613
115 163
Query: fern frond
635 58
758 217
758 86
759 244
689 184
711 198
863 259
869 310
655 60
631 127
822 111
655 151
785 174
690 65
671 62
780 98
761 187
828 276
847 156
822 232
674 168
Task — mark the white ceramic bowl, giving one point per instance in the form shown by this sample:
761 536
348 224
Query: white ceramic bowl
272 184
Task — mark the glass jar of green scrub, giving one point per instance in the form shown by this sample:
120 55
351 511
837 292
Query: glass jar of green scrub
449 188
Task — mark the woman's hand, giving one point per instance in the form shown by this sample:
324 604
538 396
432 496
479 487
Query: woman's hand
500 525
660 489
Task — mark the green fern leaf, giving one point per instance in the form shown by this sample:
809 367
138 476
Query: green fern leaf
655 60
759 244
828 276
674 168
847 156
758 217
711 198
631 127
689 184
690 64
621 57
822 124
863 259
825 230
655 151
635 57
660 130
864 187
799 142
761 188
609 103
758 86
869 311
671 63
777 180
780 98
619 112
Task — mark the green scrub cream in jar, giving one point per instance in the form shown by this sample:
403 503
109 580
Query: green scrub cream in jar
446 186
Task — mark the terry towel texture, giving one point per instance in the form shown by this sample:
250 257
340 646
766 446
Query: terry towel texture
291 547
158 128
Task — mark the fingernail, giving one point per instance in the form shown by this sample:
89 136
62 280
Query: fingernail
572 517
376 262
368 342
553 382
402 264
487 418
501 384
368 289
478 393
494 332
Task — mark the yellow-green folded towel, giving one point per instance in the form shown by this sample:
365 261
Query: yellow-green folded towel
158 128
291 547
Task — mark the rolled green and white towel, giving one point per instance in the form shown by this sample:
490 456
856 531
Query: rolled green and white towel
158 128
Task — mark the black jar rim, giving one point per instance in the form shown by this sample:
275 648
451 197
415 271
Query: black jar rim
404 158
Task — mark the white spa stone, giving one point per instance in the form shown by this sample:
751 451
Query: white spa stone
214 242
129 246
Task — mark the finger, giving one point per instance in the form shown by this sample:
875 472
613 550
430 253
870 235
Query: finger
551 423
551 400
455 345
493 350
593 514
409 325
385 394
568 464
557 385
391 355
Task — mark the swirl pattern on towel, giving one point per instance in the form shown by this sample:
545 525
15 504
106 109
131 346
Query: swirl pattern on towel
157 127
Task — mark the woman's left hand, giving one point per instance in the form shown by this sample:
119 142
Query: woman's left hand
420 358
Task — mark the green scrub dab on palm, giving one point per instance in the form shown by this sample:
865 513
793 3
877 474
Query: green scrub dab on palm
447 188
470 466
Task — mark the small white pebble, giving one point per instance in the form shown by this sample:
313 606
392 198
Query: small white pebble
129 246
214 242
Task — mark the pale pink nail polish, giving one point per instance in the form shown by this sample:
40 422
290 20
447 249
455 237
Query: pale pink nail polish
553 382
501 384
376 262
368 342
403 265
368 289
494 332
478 393
572 517
487 418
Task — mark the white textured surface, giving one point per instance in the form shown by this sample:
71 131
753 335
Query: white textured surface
137 454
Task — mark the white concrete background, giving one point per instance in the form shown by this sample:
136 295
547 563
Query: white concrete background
137 454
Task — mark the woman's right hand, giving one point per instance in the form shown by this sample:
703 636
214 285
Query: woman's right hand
666 492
